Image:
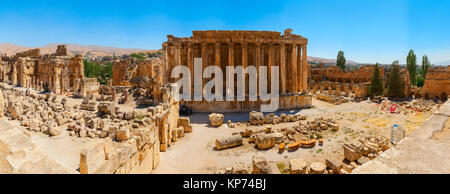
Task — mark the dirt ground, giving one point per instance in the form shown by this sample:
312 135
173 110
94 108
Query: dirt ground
195 153
444 135
5 168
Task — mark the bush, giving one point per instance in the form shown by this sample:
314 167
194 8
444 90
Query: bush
103 73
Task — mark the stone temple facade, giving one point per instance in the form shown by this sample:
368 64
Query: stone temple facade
56 72
243 48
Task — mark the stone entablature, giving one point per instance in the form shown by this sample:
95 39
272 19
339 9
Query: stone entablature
242 48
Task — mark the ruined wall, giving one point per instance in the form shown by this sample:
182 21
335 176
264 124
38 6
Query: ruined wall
127 69
336 74
86 86
437 83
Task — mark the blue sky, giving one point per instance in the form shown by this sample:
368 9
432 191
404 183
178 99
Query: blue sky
366 30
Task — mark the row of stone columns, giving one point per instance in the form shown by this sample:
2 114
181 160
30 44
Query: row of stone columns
293 76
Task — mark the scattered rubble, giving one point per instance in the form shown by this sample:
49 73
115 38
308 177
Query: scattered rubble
216 119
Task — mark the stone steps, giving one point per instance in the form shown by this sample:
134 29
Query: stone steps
25 157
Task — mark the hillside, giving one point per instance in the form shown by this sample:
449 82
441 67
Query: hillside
85 50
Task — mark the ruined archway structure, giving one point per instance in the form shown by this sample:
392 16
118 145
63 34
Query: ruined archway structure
55 72
243 48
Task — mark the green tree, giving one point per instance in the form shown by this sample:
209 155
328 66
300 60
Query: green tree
376 86
340 61
411 63
140 56
420 81
103 73
425 65
395 81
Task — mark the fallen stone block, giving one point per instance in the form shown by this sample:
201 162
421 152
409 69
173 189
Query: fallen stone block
256 118
297 166
259 165
294 146
264 141
317 168
228 142
216 119
334 165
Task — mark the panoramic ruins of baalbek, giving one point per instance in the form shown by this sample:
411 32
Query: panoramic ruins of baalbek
243 48
55 120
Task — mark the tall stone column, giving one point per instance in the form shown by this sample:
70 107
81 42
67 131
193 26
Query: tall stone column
166 62
269 67
244 64
294 69
305 68
190 63
299 70
283 68
217 46
231 64
177 59
258 62
204 61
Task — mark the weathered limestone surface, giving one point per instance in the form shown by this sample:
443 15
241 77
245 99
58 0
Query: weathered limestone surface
216 119
228 142
417 153
437 83
298 166
256 118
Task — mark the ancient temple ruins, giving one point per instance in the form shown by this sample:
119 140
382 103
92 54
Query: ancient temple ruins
55 72
243 48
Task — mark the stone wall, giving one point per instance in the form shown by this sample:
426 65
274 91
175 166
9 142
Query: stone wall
358 90
336 74
127 69
437 83
86 86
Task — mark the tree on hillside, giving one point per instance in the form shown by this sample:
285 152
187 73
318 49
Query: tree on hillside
395 81
411 63
140 56
425 65
340 61
103 73
376 86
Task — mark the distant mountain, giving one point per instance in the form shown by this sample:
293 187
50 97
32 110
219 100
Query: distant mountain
445 62
317 60
93 51
84 50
